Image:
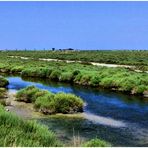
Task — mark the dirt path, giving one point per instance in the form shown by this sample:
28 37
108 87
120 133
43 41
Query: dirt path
93 63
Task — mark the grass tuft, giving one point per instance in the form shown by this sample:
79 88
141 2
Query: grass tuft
15 131
49 103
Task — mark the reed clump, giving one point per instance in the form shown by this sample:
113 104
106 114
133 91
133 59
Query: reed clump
49 103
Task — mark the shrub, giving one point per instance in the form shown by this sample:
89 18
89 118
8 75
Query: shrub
75 72
55 74
27 94
106 82
5 69
66 76
85 79
67 103
139 89
126 84
43 103
3 82
40 93
95 80
48 72
17 69
49 103
35 72
26 72
78 78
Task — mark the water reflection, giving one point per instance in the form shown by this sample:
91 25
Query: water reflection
104 120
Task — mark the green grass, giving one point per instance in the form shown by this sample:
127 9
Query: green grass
119 79
15 131
49 103
96 143
28 94
129 57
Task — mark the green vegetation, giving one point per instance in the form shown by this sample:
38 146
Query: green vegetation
3 82
96 143
129 57
15 131
18 132
119 79
3 95
49 103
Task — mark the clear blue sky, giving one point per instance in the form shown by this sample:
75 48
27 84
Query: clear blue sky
81 25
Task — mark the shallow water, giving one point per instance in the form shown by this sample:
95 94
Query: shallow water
117 118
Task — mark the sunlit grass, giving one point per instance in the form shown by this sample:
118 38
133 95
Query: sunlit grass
15 131
49 103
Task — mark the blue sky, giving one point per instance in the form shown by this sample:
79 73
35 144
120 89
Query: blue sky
80 25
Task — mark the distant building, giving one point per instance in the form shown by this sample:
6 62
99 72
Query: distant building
53 49
68 49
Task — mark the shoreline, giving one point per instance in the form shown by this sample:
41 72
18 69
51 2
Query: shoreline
27 111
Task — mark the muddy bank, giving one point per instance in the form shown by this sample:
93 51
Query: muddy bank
24 110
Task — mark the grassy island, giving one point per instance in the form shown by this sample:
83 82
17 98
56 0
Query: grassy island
49 103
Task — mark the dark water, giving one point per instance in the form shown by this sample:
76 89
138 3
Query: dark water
117 118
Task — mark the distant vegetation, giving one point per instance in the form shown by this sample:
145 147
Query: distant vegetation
49 103
119 79
127 57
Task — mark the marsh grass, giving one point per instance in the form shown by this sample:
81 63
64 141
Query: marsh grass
49 103
3 82
119 79
96 143
132 57
15 131
78 141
